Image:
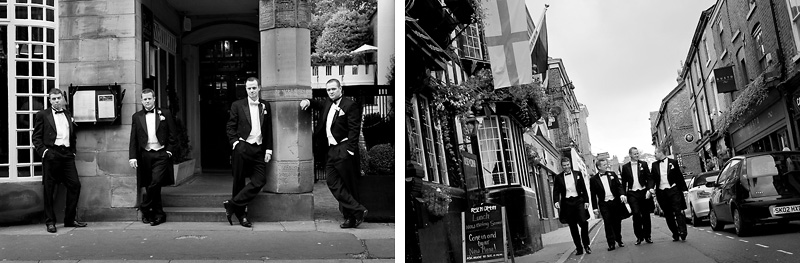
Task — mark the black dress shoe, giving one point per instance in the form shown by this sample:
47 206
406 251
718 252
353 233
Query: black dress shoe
683 236
75 224
648 240
349 223
244 222
579 252
588 249
360 217
229 210
146 220
51 228
157 221
638 241
675 238
620 244
611 248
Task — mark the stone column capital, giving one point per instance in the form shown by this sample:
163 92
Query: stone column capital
283 13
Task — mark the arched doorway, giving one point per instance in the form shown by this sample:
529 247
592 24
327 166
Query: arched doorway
224 66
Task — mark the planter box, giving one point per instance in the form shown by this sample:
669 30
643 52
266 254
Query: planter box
183 171
376 192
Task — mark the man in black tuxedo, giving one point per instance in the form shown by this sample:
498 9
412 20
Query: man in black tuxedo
668 186
153 140
339 125
250 134
572 201
635 182
54 140
607 195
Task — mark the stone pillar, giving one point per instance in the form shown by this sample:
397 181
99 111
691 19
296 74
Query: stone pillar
285 80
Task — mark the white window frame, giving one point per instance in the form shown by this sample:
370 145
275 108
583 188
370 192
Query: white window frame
471 48
11 23
515 142
431 157
795 19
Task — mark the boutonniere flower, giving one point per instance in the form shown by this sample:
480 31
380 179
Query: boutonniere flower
265 109
670 167
341 112
578 177
160 116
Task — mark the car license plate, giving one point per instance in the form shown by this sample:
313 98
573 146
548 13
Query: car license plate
786 209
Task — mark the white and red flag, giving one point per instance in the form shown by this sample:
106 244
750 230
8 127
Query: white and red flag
507 40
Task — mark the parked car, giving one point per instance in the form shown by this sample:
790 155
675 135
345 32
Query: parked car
697 196
756 188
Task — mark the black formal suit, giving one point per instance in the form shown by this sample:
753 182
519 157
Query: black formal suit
58 164
641 206
671 200
609 210
341 166
154 166
572 210
248 159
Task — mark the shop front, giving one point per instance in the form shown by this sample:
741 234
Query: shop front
766 131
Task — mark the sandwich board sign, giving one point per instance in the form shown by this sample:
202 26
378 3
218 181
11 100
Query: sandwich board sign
484 233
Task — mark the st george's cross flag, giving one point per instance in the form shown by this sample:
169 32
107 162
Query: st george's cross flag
507 40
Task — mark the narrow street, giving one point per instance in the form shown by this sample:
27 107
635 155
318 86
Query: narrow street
770 243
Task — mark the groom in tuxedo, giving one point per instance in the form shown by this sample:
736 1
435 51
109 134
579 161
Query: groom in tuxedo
153 141
572 201
635 182
607 197
668 186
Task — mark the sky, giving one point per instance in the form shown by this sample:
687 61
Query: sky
623 57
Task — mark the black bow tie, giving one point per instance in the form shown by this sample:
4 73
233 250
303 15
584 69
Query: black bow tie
336 101
59 111
153 110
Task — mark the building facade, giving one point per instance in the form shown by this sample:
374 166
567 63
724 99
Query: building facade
674 129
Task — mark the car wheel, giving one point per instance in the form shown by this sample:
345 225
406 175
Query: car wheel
695 220
716 225
742 227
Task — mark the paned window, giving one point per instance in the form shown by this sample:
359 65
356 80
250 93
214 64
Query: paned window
426 141
502 152
794 14
472 43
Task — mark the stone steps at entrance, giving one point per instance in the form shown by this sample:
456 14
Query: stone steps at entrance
200 200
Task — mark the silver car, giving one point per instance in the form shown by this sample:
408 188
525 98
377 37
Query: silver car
698 195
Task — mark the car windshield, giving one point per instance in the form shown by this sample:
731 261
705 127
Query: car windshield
774 174
703 179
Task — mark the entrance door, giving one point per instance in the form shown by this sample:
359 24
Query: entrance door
224 66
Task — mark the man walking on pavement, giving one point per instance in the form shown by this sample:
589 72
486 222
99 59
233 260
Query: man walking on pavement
607 195
249 130
54 140
668 186
153 140
341 132
635 182
572 202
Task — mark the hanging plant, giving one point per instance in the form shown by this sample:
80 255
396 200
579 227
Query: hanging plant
437 202
753 95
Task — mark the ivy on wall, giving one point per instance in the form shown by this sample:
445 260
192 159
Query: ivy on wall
753 95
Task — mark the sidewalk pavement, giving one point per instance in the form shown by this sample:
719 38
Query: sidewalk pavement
557 245
299 241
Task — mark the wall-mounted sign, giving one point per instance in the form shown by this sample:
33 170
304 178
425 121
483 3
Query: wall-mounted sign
688 137
484 233
725 80
96 104
470 167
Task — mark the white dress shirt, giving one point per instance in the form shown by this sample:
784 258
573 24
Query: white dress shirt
255 127
635 172
62 129
569 182
331 114
607 188
152 140
663 170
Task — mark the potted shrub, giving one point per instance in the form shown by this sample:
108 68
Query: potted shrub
376 188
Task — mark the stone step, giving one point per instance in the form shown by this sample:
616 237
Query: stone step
194 200
195 214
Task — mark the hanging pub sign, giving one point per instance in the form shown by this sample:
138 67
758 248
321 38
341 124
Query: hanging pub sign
470 167
484 233
96 104
725 80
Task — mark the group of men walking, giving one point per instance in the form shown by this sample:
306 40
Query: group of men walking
153 141
616 197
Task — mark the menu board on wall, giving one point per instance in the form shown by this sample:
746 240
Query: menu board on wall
484 233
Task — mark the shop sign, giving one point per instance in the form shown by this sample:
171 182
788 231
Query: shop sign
750 130
725 80
470 167
484 233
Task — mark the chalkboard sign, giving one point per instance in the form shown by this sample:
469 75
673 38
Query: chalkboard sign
484 233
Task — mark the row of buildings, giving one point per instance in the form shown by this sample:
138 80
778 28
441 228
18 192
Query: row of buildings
737 89
454 118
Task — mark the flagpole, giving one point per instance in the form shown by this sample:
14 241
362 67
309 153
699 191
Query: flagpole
535 36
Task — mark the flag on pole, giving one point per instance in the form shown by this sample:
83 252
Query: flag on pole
507 40
538 44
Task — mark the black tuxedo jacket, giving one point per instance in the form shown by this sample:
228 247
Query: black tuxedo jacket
599 192
346 124
674 175
239 125
166 132
627 176
560 188
44 131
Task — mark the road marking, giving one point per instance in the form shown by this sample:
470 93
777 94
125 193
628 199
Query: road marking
785 252
760 245
729 237
718 234
708 231
744 240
